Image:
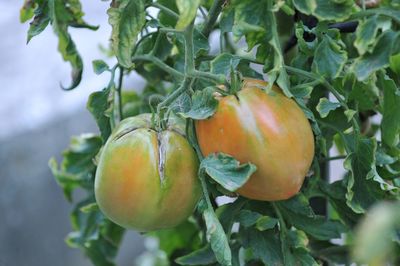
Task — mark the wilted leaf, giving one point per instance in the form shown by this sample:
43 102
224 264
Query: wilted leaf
97 104
127 18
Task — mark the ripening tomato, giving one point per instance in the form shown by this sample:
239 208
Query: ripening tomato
147 180
266 129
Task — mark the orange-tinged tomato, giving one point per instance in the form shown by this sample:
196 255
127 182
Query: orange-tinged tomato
266 129
147 180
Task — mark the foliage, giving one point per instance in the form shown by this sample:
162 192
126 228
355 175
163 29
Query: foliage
338 60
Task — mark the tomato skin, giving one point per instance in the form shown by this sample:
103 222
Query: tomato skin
134 189
266 129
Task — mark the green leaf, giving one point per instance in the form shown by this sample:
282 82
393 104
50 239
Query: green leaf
77 167
365 65
305 6
127 17
217 238
99 66
391 111
395 63
97 104
329 58
27 10
40 20
223 63
187 12
325 106
265 222
326 10
182 104
91 207
203 256
362 189
367 31
203 106
265 245
303 218
181 237
350 114
227 171
248 218
334 10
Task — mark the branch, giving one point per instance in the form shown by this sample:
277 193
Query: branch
160 64
212 17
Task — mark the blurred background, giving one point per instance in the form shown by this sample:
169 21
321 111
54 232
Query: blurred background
37 121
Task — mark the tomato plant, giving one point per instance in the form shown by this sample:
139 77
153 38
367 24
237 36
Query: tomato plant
332 93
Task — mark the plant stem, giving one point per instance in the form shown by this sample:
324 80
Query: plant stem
111 86
119 92
212 17
218 79
339 157
165 9
189 49
160 64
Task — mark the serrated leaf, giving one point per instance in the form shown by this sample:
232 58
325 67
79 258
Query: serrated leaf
367 31
365 65
77 166
325 106
99 66
217 238
187 12
265 246
227 171
223 63
329 58
98 104
363 190
203 256
316 226
127 17
203 106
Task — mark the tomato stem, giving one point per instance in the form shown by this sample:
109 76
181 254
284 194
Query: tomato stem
165 9
119 92
178 75
212 17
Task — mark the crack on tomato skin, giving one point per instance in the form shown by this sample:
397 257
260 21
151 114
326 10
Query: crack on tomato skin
125 132
161 149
